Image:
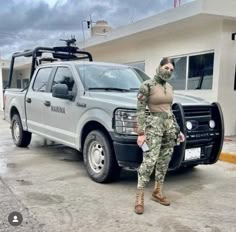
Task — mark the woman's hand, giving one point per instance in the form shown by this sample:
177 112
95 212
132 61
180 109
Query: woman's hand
181 137
140 140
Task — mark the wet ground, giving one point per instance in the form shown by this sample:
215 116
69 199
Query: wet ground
48 184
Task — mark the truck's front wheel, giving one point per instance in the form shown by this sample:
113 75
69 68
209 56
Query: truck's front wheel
20 137
99 158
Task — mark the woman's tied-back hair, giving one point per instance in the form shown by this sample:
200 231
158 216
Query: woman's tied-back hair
167 60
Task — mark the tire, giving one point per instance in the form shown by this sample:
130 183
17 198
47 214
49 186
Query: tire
99 158
20 137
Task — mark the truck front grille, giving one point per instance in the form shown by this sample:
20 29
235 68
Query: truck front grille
201 135
199 117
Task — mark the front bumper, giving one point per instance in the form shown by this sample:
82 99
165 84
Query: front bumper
128 154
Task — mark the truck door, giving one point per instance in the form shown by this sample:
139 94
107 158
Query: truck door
35 100
61 115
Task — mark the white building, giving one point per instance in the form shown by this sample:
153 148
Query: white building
20 79
198 35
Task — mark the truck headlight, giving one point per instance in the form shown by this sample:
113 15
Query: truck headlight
212 124
125 121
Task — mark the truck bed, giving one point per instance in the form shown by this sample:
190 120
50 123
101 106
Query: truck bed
15 98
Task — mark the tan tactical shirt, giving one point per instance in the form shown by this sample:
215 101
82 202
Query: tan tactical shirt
157 97
160 98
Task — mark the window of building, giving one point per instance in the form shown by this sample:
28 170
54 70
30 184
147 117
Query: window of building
25 83
41 80
64 76
193 72
18 84
140 65
200 72
5 84
178 80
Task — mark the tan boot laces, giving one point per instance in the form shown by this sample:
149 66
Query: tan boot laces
140 197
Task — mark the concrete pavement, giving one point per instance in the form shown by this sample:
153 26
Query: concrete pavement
48 184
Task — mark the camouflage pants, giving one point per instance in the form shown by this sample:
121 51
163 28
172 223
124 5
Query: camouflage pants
161 137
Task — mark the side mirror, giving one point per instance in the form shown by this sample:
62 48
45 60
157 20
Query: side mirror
61 91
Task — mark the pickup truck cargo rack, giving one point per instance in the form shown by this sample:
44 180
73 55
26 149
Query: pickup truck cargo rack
64 53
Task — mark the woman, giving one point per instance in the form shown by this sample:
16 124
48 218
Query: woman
159 132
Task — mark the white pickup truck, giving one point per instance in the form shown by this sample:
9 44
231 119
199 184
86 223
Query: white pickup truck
91 106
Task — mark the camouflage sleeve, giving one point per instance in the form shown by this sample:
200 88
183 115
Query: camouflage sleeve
142 99
176 124
174 118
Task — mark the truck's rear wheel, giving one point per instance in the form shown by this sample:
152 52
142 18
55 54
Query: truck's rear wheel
99 158
20 137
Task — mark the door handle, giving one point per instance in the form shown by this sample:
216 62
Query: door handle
47 103
28 100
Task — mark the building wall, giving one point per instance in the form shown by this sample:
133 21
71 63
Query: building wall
19 74
22 75
226 92
5 75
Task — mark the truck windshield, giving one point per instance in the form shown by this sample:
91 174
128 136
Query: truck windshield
95 77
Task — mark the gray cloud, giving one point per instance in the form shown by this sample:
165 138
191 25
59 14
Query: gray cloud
25 23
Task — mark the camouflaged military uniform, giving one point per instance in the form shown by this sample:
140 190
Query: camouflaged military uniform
160 127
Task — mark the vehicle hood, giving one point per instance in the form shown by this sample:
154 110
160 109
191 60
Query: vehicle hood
124 99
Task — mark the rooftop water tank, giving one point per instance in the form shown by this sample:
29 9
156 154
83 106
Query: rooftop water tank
100 28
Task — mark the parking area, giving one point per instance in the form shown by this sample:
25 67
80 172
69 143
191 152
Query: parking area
48 184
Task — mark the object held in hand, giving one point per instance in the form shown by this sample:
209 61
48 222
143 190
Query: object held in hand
145 147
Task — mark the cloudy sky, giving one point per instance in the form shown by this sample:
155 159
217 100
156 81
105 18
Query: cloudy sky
25 24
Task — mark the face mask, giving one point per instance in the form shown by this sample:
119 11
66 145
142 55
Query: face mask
164 74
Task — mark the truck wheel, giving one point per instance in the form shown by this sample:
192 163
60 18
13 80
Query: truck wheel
20 137
99 158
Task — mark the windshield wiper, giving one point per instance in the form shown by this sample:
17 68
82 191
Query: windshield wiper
133 88
109 89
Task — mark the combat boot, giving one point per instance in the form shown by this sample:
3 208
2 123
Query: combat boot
139 203
158 196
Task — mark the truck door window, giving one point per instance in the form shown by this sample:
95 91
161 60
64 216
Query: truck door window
41 79
64 76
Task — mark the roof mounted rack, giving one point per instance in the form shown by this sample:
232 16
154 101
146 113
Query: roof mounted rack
64 53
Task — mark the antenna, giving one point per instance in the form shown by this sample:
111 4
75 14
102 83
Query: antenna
89 24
